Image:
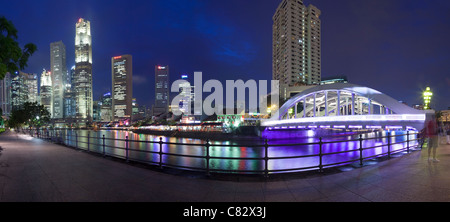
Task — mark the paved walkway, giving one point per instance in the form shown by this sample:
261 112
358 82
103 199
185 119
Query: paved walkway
33 170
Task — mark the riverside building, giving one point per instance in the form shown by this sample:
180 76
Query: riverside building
296 45
161 106
122 87
83 72
59 73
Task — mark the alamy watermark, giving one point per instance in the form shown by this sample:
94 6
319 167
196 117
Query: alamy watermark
214 103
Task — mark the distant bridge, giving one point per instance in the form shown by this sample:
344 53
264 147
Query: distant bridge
346 106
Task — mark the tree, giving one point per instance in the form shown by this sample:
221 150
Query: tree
31 114
37 115
1 117
12 57
16 119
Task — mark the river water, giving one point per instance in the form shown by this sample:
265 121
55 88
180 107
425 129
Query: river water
146 148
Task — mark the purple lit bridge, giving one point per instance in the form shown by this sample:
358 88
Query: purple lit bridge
346 106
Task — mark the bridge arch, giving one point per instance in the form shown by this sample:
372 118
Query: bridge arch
341 103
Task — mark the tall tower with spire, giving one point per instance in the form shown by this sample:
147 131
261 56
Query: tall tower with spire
83 71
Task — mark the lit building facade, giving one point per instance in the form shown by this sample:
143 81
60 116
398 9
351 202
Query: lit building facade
122 87
19 90
82 84
46 92
161 105
332 80
105 108
296 45
31 80
59 73
69 95
186 105
5 94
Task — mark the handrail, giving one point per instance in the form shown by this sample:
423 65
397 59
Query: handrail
160 149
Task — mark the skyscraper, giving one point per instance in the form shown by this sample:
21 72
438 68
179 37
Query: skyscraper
19 90
161 105
32 84
296 44
186 105
59 74
122 87
46 92
69 96
83 71
105 109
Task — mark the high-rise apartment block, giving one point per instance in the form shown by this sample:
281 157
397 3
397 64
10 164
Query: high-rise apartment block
82 84
122 87
59 76
296 44
161 105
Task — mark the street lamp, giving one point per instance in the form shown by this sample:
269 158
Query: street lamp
427 98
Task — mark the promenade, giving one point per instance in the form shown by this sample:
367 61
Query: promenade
33 170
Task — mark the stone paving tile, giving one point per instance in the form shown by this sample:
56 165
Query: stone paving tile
32 170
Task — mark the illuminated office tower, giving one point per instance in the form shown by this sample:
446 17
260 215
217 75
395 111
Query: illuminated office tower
59 73
296 58
105 108
32 84
19 90
187 96
161 105
82 84
69 95
46 91
122 87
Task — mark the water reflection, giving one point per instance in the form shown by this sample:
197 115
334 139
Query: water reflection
301 155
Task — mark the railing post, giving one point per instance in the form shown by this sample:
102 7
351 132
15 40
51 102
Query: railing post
320 155
389 144
126 148
88 141
160 152
103 138
360 150
207 157
76 140
407 141
266 158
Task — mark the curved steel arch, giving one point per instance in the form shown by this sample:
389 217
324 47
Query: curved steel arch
366 92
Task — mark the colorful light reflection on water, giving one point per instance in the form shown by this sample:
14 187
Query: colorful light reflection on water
139 144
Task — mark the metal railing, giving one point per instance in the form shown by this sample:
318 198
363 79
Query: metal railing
100 145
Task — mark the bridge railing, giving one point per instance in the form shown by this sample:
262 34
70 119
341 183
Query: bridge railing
156 152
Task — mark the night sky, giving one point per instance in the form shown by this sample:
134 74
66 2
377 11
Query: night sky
395 46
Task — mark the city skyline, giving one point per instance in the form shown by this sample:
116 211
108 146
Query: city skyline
380 52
